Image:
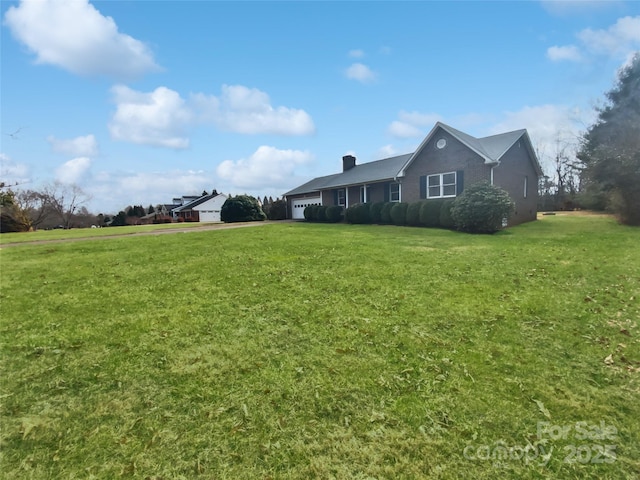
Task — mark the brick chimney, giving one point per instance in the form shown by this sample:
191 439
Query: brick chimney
348 162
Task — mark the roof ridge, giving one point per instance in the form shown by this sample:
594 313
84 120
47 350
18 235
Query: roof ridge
518 130
466 138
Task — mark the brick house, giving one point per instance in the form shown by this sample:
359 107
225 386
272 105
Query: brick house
445 163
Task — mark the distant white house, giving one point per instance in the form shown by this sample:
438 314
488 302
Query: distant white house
203 209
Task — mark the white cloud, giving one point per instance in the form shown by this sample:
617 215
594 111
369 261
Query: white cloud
161 118
546 125
86 146
412 124
75 36
248 110
356 53
361 73
173 183
617 41
266 167
157 118
567 52
73 171
11 172
404 130
386 151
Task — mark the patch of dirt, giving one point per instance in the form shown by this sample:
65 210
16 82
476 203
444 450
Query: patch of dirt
574 213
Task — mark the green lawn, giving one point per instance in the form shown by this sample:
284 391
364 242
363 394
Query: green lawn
76 233
325 351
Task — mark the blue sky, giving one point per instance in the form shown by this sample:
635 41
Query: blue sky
141 101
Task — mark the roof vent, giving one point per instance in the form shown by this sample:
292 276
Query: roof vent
348 162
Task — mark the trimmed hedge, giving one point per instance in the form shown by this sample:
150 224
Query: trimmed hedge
333 214
385 213
446 220
481 208
314 213
358 213
413 214
430 213
375 212
399 213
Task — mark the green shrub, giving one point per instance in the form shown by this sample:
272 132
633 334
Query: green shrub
311 213
375 212
481 208
358 213
241 208
364 215
333 213
399 213
430 213
307 213
413 214
446 220
385 213
277 210
321 213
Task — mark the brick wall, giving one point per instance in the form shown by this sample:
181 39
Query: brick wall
514 166
454 156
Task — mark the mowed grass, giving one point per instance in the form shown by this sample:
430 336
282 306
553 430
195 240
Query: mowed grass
325 351
78 233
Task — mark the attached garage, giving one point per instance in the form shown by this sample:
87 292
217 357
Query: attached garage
209 215
299 204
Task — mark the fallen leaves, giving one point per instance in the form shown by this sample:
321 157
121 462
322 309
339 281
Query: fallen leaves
542 408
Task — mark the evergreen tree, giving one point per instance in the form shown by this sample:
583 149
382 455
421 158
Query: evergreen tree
610 149
119 220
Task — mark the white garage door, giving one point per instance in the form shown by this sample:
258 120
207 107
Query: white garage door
209 215
298 205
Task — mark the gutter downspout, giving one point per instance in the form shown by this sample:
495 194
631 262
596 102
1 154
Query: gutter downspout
496 164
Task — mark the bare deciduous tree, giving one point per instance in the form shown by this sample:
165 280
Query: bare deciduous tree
64 200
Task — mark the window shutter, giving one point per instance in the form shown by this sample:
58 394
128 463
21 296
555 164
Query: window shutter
335 197
387 191
459 182
423 186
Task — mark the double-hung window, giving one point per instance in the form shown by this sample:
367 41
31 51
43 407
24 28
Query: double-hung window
441 185
394 192
341 197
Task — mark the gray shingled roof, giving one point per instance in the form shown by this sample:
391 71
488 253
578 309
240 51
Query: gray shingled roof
493 147
377 171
